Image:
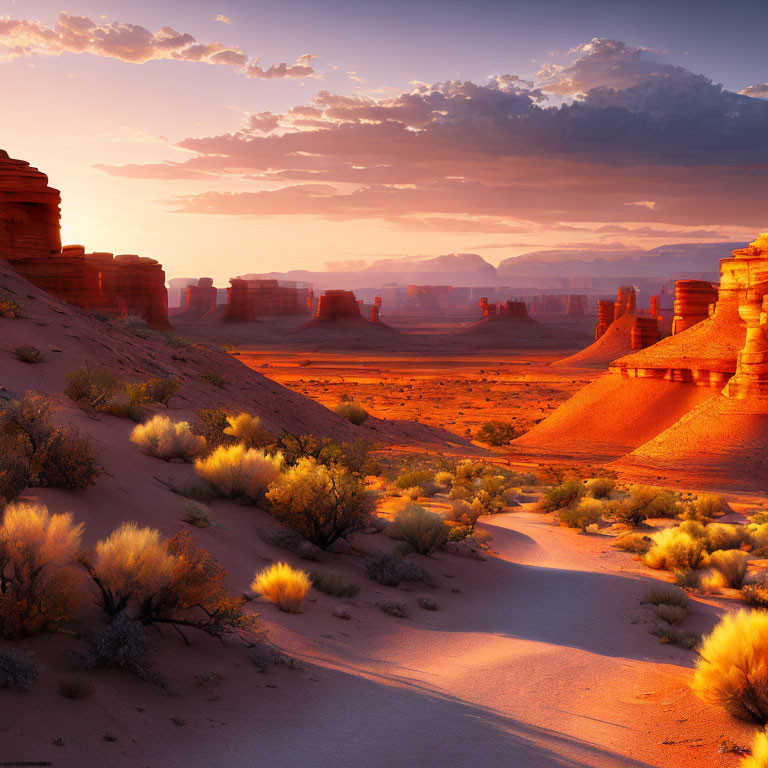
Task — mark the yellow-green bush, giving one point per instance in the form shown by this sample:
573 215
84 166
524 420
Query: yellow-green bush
239 472
423 529
586 512
732 670
164 439
282 585
322 503
247 429
674 549
731 564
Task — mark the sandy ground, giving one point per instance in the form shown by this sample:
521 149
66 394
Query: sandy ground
538 657
457 393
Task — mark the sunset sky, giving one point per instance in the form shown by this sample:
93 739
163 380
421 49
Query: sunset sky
245 136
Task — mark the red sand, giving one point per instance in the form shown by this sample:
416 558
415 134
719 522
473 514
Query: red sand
610 417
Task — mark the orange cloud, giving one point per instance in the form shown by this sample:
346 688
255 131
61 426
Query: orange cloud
134 44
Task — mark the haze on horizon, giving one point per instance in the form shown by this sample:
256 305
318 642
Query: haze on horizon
231 137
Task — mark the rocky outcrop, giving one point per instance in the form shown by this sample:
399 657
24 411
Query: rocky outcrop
645 332
337 304
375 310
249 299
693 299
30 240
575 305
605 310
626 301
201 298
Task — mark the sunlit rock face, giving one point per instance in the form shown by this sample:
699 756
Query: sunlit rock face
693 299
645 332
201 298
30 240
746 275
337 304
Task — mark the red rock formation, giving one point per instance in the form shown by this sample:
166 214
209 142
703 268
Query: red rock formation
249 299
626 301
513 309
483 304
692 301
31 242
374 313
605 310
575 305
645 332
429 296
201 298
336 304
655 305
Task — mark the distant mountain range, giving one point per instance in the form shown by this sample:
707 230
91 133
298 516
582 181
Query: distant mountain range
537 269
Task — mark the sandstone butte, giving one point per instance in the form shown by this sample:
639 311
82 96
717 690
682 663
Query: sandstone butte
694 405
30 240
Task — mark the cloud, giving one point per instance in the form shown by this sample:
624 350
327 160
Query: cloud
758 91
223 19
134 44
646 143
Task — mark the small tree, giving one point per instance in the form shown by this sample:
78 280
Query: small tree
321 503
497 433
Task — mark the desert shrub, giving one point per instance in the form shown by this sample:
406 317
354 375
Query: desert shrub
755 595
215 378
196 514
600 487
136 326
688 578
560 496
667 633
469 470
666 596
282 585
65 460
463 518
52 456
733 667
725 536
131 566
423 529
709 505
14 471
198 490
356 456
247 429
332 584
293 542
445 479
393 608
38 589
295 447
8 306
674 549
672 614
427 603
239 472
352 412
390 570
19 672
497 433
414 478
321 503
633 542
123 644
94 387
172 582
164 439
731 564
210 423
644 502
26 353
76 686
759 752
156 390
586 512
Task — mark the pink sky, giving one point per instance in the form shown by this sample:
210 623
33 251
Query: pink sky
219 148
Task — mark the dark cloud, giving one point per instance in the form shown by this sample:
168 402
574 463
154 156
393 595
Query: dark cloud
643 141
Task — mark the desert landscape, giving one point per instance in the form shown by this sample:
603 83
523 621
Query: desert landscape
453 449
